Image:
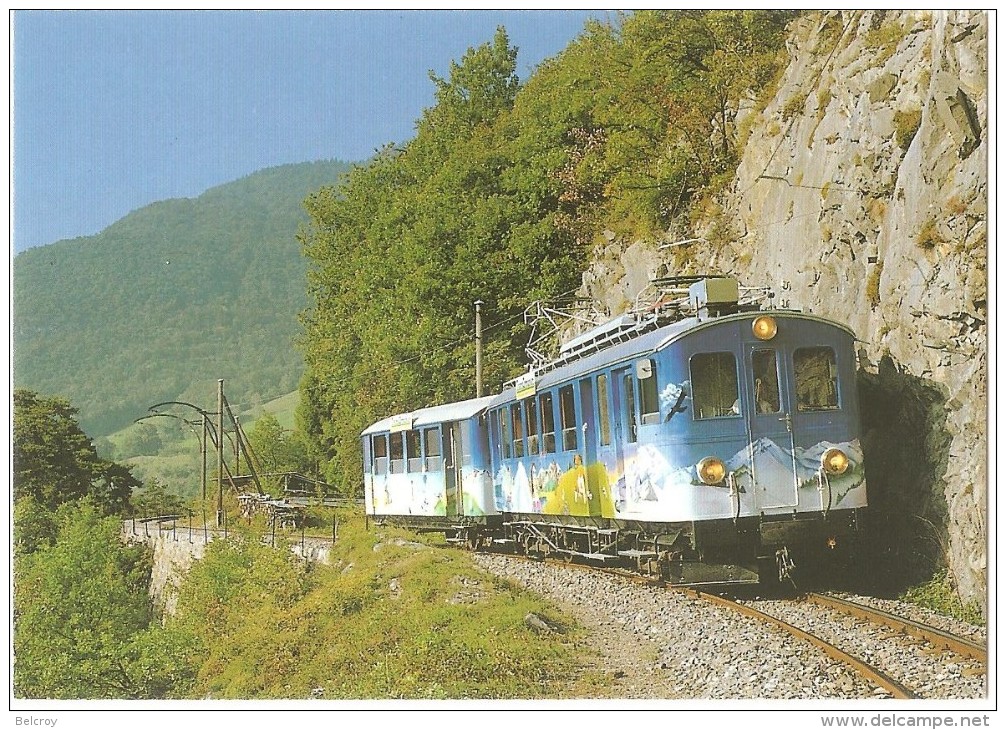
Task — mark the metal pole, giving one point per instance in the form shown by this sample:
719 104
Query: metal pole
237 446
220 454
478 349
203 450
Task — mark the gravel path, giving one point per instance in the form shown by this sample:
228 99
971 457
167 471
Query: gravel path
654 643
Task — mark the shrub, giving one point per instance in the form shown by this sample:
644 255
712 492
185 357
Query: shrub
938 594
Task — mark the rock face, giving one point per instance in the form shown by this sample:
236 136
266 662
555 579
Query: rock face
861 196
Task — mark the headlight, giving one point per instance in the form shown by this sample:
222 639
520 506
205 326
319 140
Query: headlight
764 328
834 461
711 470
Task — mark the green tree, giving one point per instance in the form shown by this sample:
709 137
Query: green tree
277 449
83 624
55 461
142 439
154 500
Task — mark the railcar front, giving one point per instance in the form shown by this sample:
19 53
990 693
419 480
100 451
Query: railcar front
706 448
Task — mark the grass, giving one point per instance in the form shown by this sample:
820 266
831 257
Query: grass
394 616
938 595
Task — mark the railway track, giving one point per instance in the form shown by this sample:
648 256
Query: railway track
883 674
811 618
936 637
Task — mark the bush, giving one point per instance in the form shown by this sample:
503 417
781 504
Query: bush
938 594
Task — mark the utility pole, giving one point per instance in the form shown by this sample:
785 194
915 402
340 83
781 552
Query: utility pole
220 453
237 447
478 348
203 450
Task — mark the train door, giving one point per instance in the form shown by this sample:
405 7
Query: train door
609 445
770 428
452 469
625 433
588 444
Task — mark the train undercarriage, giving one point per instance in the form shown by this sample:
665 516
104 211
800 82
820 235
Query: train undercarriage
745 551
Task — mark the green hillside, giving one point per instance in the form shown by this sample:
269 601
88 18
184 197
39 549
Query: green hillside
164 302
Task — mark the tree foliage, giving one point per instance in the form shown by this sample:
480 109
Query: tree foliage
277 449
56 462
501 197
83 625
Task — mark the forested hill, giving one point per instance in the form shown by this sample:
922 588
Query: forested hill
165 301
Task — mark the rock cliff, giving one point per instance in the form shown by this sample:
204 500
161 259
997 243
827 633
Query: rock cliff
861 195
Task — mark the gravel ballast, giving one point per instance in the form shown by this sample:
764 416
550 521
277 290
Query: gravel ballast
654 643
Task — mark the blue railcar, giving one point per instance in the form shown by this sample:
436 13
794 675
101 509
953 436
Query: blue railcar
716 448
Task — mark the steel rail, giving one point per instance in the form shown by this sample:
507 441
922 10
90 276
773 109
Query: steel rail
888 684
936 637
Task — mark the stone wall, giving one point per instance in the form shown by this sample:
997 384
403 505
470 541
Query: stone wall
861 196
176 547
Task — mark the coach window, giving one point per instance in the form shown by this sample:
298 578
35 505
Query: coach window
413 451
630 409
397 454
518 431
531 422
649 402
466 445
816 379
766 381
567 418
547 424
380 454
714 385
506 437
603 413
431 439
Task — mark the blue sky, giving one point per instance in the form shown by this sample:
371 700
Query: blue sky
117 109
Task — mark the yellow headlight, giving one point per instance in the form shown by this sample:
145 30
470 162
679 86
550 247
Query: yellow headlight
835 461
711 470
764 328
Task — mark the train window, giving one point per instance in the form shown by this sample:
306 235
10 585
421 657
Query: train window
816 379
714 385
397 454
380 454
630 408
466 444
518 431
431 439
506 439
603 413
567 418
532 425
649 401
766 381
547 424
413 452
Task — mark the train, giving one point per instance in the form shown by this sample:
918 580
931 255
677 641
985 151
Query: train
715 441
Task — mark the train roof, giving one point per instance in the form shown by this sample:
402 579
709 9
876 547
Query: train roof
638 341
568 368
435 414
